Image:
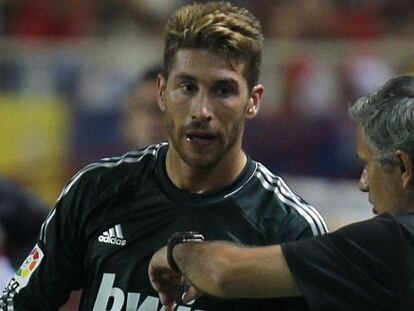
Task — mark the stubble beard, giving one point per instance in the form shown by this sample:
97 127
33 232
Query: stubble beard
204 162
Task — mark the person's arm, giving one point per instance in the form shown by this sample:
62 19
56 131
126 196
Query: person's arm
224 270
53 268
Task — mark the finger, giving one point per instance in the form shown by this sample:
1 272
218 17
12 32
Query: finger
161 280
168 308
190 294
166 300
168 288
158 280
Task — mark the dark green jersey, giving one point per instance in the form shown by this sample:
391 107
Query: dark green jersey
114 214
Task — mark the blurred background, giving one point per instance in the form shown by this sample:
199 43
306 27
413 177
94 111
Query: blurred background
70 69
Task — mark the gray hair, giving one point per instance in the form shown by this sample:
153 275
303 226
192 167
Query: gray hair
387 118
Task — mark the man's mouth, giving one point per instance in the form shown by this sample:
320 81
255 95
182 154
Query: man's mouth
202 138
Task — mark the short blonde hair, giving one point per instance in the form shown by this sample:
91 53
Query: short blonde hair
218 27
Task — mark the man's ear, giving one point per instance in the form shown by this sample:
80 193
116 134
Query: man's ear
406 168
255 101
161 84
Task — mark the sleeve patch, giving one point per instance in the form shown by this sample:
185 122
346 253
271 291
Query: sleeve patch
23 274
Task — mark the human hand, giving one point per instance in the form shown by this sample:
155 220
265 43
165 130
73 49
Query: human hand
163 279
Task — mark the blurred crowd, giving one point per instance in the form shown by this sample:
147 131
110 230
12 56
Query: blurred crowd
348 19
109 109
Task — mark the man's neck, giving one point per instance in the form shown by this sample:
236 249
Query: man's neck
204 180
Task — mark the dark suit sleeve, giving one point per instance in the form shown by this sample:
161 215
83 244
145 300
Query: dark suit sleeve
355 268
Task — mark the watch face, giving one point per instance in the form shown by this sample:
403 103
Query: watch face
192 236
186 236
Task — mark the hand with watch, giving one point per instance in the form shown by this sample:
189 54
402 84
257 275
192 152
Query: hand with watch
180 238
164 273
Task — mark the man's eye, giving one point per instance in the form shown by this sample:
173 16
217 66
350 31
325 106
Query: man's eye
188 87
224 91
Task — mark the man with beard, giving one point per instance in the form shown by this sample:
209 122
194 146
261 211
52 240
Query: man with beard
114 214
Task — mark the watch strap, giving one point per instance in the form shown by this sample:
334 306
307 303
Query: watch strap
180 238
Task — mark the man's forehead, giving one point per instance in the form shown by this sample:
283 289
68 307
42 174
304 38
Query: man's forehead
192 61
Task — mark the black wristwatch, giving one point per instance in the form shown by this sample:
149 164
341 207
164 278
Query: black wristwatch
178 238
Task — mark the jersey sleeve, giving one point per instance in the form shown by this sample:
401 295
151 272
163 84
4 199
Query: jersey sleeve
301 223
53 268
302 219
355 268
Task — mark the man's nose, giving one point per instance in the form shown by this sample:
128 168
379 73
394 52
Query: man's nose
201 107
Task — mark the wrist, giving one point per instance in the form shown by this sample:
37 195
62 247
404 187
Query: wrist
180 238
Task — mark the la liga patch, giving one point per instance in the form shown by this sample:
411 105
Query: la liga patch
26 270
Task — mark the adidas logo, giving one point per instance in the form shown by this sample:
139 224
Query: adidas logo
113 236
